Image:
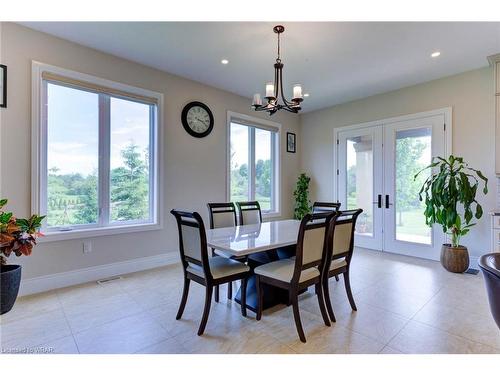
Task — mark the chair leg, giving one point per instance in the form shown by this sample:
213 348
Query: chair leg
216 297
206 310
244 296
230 290
347 284
260 297
337 277
296 316
321 302
328 302
184 298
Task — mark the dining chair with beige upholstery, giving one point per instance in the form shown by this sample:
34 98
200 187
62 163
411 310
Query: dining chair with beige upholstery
249 212
199 267
341 245
223 215
319 207
295 274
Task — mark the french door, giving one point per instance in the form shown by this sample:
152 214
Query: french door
376 172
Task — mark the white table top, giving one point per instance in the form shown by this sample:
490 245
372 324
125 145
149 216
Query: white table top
254 238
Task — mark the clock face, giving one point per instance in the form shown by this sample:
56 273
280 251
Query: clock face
197 119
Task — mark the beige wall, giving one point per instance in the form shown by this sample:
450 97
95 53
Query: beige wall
195 169
469 94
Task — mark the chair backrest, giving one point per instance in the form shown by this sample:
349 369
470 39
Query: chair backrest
249 212
342 241
222 215
192 240
319 207
312 246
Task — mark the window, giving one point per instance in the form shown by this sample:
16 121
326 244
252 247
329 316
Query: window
253 161
96 154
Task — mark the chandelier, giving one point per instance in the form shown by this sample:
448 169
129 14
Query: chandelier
274 90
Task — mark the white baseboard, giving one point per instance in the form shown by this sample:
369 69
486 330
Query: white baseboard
84 275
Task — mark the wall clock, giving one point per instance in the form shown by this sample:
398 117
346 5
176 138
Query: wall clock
197 119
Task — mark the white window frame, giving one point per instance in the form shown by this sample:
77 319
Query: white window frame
39 158
276 154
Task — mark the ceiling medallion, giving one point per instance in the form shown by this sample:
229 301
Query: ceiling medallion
274 90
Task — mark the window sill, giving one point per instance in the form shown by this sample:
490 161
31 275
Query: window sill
96 232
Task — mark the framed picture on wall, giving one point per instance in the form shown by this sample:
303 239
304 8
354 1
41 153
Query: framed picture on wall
3 86
291 145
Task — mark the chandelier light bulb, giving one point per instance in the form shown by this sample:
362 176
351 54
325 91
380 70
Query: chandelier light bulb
297 92
257 101
269 90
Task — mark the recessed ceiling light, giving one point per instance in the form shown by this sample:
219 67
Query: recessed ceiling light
224 61
306 94
435 54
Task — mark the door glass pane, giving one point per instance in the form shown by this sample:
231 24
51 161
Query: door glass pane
239 162
263 168
129 159
72 156
360 181
413 152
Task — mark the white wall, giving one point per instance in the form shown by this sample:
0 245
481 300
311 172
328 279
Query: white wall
471 95
195 169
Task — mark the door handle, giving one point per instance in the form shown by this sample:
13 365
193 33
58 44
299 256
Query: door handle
379 203
387 201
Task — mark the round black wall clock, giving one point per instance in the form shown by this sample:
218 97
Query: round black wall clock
197 119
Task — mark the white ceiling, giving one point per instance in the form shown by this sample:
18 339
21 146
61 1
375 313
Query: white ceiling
336 62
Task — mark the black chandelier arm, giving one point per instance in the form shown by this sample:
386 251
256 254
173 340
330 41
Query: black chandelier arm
276 81
289 104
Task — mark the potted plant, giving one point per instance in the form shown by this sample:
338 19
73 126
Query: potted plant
450 201
17 236
301 194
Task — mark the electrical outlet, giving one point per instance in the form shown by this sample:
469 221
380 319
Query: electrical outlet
87 247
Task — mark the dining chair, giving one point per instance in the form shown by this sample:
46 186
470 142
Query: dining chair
249 212
297 274
223 215
319 207
339 255
205 270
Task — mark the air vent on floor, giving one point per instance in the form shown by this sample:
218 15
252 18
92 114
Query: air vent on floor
109 280
472 271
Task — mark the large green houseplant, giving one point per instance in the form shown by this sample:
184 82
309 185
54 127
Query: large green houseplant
301 195
450 201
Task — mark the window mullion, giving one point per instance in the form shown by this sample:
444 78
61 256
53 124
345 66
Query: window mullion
104 159
251 160
273 171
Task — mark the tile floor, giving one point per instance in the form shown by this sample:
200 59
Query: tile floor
405 305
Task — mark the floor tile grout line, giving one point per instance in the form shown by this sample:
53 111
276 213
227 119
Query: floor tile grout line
67 322
411 319
456 335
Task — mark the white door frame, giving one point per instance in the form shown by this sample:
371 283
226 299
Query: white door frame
446 112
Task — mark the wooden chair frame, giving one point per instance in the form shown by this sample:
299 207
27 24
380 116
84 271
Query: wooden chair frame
193 219
319 207
219 208
340 219
294 286
247 206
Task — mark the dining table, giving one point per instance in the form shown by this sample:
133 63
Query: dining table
259 243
